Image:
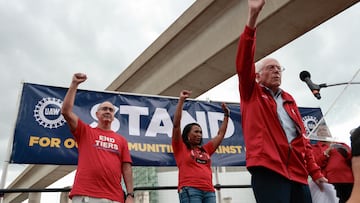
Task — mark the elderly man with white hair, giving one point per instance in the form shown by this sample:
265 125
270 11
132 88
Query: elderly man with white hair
278 156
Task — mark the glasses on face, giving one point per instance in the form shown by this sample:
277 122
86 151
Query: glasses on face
273 68
106 108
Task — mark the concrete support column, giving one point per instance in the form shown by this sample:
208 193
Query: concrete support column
34 197
64 197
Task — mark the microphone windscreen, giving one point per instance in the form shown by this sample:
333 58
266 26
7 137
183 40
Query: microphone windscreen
304 74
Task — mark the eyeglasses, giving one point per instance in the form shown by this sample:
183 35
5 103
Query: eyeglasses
273 68
106 108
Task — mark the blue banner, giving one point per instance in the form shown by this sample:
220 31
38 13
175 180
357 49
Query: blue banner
42 136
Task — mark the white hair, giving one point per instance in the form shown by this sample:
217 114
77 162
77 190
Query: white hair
259 66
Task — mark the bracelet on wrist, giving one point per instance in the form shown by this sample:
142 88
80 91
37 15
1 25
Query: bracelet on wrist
131 194
226 115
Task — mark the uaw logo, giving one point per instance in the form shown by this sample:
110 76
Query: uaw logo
309 123
47 113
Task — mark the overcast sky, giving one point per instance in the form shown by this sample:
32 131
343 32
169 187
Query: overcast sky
46 41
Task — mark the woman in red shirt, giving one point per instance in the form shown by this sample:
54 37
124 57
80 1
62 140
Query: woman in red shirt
193 158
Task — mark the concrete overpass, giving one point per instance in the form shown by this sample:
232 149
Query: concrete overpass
197 52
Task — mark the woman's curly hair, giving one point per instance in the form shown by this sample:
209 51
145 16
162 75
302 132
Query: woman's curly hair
185 133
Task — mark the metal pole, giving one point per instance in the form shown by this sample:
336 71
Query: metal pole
333 104
5 166
217 183
8 152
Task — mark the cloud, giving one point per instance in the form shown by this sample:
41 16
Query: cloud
45 42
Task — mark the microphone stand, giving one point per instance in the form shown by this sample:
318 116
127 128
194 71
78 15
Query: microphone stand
336 84
333 104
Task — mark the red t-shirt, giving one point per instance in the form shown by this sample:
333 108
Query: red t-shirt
194 165
99 170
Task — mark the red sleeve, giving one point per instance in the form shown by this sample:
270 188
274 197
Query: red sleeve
320 158
79 131
245 66
178 146
209 148
312 168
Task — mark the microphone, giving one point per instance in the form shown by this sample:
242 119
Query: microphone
315 89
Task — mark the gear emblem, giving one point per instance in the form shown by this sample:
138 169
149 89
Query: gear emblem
309 123
47 113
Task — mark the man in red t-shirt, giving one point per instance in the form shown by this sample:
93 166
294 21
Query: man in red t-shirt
104 157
